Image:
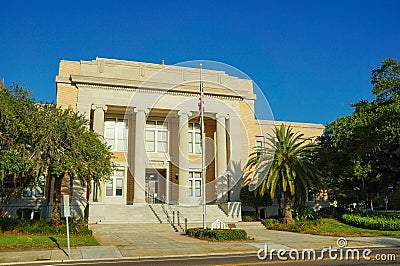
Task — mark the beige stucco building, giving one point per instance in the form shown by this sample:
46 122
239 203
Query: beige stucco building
148 114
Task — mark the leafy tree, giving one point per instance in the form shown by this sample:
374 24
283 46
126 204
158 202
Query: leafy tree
286 165
363 149
16 165
386 79
43 138
254 199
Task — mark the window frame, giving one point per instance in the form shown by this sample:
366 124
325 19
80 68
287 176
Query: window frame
113 180
194 178
33 187
259 148
193 144
160 127
116 131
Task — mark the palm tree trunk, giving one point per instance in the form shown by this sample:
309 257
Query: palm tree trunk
288 219
56 214
280 211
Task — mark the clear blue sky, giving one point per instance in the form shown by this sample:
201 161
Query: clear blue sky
310 58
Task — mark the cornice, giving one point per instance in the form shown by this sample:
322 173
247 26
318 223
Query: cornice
150 87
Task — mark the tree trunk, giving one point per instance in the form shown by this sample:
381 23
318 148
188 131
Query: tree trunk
288 219
280 211
56 214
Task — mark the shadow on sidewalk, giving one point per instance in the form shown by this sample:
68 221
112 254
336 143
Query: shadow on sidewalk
58 245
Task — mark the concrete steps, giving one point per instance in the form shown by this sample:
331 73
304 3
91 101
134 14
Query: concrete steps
250 226
194 214
159 212
154 214
122 214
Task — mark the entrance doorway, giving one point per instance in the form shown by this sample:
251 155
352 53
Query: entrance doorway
155 185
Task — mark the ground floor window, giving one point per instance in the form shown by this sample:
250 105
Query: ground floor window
115 186
310 197
36 188
195 187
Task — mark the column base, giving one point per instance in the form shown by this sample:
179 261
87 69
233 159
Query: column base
139 201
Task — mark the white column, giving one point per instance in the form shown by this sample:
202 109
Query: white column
183 174
85 110
140 155
235 130
222 184
98 118
98 127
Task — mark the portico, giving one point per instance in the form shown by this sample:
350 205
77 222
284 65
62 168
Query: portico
158 152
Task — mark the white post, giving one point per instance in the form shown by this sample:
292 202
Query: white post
68 243
66 213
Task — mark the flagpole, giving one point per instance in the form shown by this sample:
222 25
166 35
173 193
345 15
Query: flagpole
203 172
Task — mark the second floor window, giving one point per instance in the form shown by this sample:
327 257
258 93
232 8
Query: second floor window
116 133
156 136
259 148
194 138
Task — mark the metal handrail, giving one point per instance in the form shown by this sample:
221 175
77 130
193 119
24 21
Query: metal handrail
165 209
168 210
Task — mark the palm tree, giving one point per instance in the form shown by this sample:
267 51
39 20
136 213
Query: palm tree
284 166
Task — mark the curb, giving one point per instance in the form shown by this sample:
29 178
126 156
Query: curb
177 256
132 258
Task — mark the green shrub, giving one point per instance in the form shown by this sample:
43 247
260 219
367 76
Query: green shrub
9 224
42 227
249 218
24 213
217 234
303 212
331 212
269 222
303 226
373 220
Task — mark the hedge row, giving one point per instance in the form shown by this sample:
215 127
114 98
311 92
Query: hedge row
217 234
301 226
373 221
42 227
249 218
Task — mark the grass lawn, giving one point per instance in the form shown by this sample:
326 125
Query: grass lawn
12 241
332 227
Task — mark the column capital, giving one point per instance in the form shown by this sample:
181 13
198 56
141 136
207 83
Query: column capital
221 116
99 106
184 112
141 109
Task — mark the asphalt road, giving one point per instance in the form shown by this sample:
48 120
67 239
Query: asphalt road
383 256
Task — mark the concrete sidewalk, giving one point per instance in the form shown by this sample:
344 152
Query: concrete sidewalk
159 240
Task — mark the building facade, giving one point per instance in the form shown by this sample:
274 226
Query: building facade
148 114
